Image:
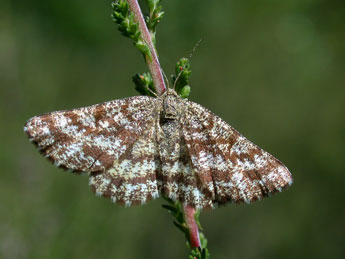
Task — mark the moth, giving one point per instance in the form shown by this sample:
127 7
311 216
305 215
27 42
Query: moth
136 148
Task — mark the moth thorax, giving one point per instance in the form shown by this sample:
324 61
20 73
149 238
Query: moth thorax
171 108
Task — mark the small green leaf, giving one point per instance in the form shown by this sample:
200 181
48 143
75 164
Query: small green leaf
171 209
128 26
185 91
197 219
181 78
181 227
143 48
155 16
144 84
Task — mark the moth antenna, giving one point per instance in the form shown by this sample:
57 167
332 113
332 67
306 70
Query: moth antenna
190 58
166 79
152 92
177 78
195 47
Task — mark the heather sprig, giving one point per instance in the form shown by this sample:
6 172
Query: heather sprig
181 77
154 17
177 211
128 15
144 84
128 26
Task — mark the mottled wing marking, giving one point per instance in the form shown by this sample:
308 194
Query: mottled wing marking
132 178
240 171
201 160
136 147
177 178
108 140
90 138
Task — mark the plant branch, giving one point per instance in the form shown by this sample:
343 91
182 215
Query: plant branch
127 14
152 61
187 220
194 239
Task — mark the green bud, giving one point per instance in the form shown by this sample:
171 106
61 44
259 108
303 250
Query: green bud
143 48
185 91
128 26
143 83
182 75
155 15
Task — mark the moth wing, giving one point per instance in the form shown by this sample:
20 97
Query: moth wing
232 168
177 178
101 139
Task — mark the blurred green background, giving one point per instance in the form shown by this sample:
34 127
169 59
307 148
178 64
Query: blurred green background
274 70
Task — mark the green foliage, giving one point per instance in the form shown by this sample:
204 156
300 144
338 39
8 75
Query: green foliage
176 210
128 26
125 19
130 29
154 17
181 78
144 84
200 252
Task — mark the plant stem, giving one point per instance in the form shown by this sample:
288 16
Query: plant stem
194 238
152 62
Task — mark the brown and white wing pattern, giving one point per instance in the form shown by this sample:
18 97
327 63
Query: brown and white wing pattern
132 178
231 168
108 141
177 178
202 161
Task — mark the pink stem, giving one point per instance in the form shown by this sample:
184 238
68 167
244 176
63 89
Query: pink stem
189 212
153 64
